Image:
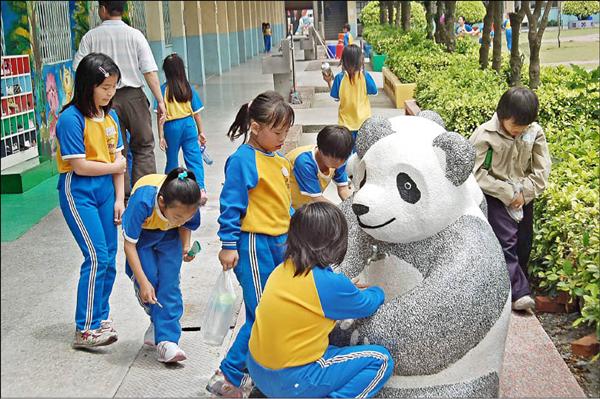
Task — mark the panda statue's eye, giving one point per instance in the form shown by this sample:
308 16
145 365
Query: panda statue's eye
407 188
363 181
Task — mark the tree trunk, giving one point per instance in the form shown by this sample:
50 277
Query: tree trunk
397 8
390 11
450 36
516 19
381 13
429 17
497 52
537 26
439 26
484 50
405 6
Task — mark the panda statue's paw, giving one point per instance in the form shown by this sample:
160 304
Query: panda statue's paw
346 324
357 339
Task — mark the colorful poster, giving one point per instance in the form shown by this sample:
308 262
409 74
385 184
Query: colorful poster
57 80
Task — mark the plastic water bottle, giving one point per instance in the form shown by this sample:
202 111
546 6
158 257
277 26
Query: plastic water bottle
326 70
217 325
205 157
219 311
516 213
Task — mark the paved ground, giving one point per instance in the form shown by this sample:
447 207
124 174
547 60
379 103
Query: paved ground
40 272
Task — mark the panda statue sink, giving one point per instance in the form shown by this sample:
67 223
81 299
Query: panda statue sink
447 307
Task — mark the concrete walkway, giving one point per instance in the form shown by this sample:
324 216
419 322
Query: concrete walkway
40 273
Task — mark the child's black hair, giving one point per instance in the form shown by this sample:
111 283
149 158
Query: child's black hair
335 141
352 60
347 27
520 104
318 236
91 72
114 8
177 83
181 186
268 108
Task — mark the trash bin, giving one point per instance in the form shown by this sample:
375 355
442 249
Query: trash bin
377 61
339 49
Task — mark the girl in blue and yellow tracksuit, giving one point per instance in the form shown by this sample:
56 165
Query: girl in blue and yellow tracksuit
255 215
290 355
157 224
91 191
183 126
351 88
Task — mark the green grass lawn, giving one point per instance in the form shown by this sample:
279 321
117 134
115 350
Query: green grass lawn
552 33
570 50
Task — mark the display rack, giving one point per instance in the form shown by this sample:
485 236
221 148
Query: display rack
19 133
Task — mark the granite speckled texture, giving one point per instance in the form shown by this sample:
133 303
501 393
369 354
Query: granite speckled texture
446 328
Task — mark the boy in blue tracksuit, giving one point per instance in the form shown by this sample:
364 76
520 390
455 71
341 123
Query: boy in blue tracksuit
289 351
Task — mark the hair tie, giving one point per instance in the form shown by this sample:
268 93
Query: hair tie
106 74
182 175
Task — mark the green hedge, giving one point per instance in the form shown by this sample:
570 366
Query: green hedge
566 252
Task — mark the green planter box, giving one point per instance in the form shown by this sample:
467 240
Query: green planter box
377 61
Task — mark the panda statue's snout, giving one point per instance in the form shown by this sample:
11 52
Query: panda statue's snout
360 209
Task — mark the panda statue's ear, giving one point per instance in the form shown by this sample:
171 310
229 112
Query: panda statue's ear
371 131
432 116
459 156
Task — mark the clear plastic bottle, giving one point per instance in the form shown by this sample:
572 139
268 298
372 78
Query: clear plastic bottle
326 70
219 311
205 157
515 213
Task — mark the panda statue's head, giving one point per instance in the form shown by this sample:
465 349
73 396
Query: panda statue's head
409 178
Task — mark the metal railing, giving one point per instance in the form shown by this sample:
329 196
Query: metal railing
53 31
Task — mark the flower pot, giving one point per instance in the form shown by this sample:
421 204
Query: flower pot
377 61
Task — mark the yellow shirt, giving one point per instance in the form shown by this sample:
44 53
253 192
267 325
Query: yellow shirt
177 110
256 195
355 107
96 139
306 179
143 212
296 314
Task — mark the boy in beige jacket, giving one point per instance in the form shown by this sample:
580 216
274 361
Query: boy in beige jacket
512 166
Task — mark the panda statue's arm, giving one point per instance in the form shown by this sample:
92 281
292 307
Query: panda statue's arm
359 244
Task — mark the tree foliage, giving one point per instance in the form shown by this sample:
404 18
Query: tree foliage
473 11
582 9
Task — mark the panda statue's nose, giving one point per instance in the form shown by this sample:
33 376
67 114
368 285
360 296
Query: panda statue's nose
360 209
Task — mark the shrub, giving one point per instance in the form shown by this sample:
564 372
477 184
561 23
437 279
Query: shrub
370 14
462 94
582 9
418 21
473 11
566 255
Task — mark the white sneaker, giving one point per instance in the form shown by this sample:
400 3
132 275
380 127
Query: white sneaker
149 335
169 352
524 303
